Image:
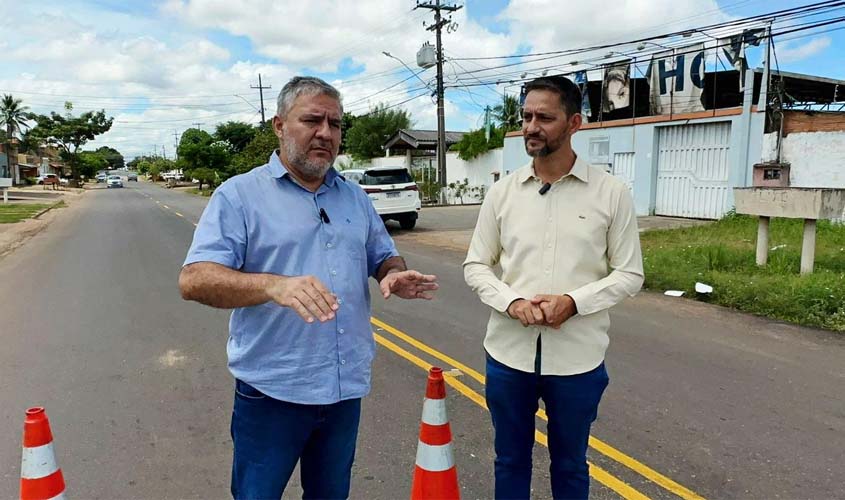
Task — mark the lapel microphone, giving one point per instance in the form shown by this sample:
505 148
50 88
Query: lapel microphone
324 216
545 189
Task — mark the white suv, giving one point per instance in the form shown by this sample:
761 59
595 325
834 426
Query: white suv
392 190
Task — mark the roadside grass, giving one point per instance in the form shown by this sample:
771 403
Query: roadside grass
722 255
204 192
16 212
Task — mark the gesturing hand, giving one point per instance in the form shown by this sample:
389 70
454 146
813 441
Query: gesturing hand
304 294
409 285
556 308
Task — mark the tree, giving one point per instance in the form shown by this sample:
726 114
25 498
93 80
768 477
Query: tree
370 131
237 134
256 152
205 175
508 113
69 133
13 117
28 143
112 156
347 121
474 143
198 149
91 162
136 163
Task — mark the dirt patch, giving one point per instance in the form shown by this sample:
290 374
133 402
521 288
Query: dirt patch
13 236
453 240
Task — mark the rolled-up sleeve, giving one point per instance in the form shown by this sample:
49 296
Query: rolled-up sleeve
624 258
221 234
484 252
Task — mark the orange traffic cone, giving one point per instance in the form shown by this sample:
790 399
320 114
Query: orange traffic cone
435 474
41 478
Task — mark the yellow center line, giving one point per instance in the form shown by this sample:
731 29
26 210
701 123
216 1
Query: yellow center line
595 443
599 474
178 214
165 206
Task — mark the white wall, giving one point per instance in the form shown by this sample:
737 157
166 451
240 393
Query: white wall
817 159
478 171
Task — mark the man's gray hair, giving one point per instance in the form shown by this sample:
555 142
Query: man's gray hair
303 85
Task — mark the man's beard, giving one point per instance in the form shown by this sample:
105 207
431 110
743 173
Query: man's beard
310 169
546 150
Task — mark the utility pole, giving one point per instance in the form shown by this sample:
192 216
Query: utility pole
175 144
163 152
198 125
261 88
437 27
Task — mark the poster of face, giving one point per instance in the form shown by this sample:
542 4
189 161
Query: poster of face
616 87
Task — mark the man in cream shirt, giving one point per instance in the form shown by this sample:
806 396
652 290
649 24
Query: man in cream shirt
565 235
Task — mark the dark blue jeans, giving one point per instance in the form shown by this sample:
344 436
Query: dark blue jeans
270 436
571 405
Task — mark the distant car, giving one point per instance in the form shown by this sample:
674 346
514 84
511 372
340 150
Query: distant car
114 181
64 182
101 177
48 178
392 190
132 177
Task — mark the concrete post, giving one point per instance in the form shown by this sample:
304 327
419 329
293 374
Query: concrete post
808 246
5 196
763 241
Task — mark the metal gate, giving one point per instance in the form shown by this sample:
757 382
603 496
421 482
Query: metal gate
693 170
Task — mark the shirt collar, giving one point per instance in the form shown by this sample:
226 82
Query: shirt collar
580 170
278 170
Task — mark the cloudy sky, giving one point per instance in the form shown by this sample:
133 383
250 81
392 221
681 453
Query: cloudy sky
161 67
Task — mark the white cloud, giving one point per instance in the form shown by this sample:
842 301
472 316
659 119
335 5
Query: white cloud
788 53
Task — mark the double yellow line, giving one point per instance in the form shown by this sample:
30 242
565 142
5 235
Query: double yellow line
599 474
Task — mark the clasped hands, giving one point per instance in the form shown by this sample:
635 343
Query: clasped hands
543 310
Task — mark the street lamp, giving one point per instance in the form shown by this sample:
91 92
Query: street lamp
388 54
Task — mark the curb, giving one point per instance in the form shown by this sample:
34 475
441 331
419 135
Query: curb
51 207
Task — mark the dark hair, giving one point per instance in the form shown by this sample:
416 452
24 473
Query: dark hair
570 94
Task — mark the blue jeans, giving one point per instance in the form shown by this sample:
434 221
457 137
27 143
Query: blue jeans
571 405
270 436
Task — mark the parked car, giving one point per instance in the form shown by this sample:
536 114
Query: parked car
392 190
132 177
48 178
114 181
101 177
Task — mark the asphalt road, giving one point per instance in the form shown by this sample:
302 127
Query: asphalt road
702 401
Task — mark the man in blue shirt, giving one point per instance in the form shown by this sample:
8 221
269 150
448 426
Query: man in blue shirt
290 246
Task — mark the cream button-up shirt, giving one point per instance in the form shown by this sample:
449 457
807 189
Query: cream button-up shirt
580 239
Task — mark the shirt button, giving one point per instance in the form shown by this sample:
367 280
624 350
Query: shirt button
550 245
342 330
339 301
343 361
328 245
334 273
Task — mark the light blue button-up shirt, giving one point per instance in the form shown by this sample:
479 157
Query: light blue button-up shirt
265 222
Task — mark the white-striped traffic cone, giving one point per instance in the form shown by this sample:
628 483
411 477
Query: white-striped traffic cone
41 477
435 474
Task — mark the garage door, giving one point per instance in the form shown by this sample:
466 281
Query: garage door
693 170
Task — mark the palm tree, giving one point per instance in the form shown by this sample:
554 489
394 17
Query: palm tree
508 113
13 116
